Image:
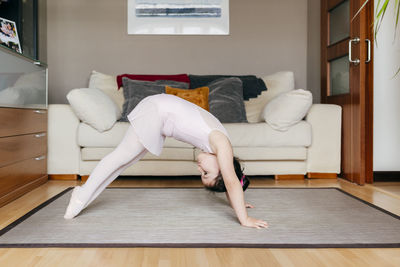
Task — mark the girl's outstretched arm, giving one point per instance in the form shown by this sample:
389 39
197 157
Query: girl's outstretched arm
223 149
248 205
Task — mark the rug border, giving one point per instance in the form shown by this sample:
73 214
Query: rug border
33 211
191 245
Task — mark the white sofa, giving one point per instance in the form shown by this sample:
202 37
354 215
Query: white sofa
310 146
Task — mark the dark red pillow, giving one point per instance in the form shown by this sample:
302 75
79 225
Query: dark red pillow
154 77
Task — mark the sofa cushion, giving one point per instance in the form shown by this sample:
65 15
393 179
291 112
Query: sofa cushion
267 153
108 84
154 77
141 89
176 153
94 107
198 96
136 91
287 109
262 135
90 137
252 86
226 100
241 135
168 153
277 84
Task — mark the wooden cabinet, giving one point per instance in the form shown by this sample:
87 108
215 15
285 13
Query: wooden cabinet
23 124
23 151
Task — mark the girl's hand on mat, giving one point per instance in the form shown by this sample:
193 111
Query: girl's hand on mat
248 205
253 222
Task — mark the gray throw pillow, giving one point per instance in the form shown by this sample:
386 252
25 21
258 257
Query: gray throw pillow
226 100
135 91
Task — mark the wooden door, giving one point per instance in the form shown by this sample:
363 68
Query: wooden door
346 80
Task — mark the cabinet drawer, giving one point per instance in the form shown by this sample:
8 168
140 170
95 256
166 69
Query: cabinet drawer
16 121
21 147
16 175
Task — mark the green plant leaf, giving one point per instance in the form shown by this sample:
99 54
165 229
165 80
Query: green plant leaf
380 12
383 9
380 16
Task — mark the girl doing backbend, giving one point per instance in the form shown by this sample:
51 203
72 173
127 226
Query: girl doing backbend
155 118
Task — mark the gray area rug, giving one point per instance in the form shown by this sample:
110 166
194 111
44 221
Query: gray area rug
193 217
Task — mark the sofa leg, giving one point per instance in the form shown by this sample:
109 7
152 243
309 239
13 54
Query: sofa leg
289 177
84 178
318 175
63 176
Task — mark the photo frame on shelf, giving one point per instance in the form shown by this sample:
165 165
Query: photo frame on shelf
178 17
9 35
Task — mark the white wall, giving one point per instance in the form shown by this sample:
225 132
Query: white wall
387 96
314 49
265 36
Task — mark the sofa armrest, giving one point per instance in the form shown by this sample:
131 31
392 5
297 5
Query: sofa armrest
323 155
63 149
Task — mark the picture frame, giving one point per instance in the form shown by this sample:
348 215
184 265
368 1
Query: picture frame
9 35
178 17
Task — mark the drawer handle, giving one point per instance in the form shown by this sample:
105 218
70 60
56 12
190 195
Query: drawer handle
40 111
40 158
40 135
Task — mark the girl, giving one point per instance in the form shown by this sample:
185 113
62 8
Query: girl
154 118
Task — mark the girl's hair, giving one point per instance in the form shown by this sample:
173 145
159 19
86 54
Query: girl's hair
219 182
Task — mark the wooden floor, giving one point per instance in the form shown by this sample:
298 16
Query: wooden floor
381 194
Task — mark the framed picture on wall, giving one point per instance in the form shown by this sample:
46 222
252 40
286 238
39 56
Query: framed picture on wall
9 35
176 17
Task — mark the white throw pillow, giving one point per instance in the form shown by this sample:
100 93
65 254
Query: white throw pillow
277 83
93 107
108 84
287 109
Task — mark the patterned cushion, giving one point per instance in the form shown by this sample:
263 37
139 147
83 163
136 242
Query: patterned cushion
198 96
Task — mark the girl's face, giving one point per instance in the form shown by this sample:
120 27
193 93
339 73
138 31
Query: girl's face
208 167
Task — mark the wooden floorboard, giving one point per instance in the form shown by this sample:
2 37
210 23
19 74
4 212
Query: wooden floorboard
378 195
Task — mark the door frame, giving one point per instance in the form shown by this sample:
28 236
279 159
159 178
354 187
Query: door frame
357 106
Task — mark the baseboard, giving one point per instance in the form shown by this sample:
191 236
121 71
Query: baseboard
22 190
289 177
386 176
63 176
319 175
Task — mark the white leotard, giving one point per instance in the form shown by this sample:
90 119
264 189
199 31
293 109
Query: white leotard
158 116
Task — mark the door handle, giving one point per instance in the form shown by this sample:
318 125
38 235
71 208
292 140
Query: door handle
355 61
368 51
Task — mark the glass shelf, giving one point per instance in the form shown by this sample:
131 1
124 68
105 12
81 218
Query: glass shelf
5 49
23 81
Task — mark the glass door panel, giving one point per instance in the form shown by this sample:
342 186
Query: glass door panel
339 76
339 22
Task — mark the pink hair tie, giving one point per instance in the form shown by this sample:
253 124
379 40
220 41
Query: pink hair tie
241 180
